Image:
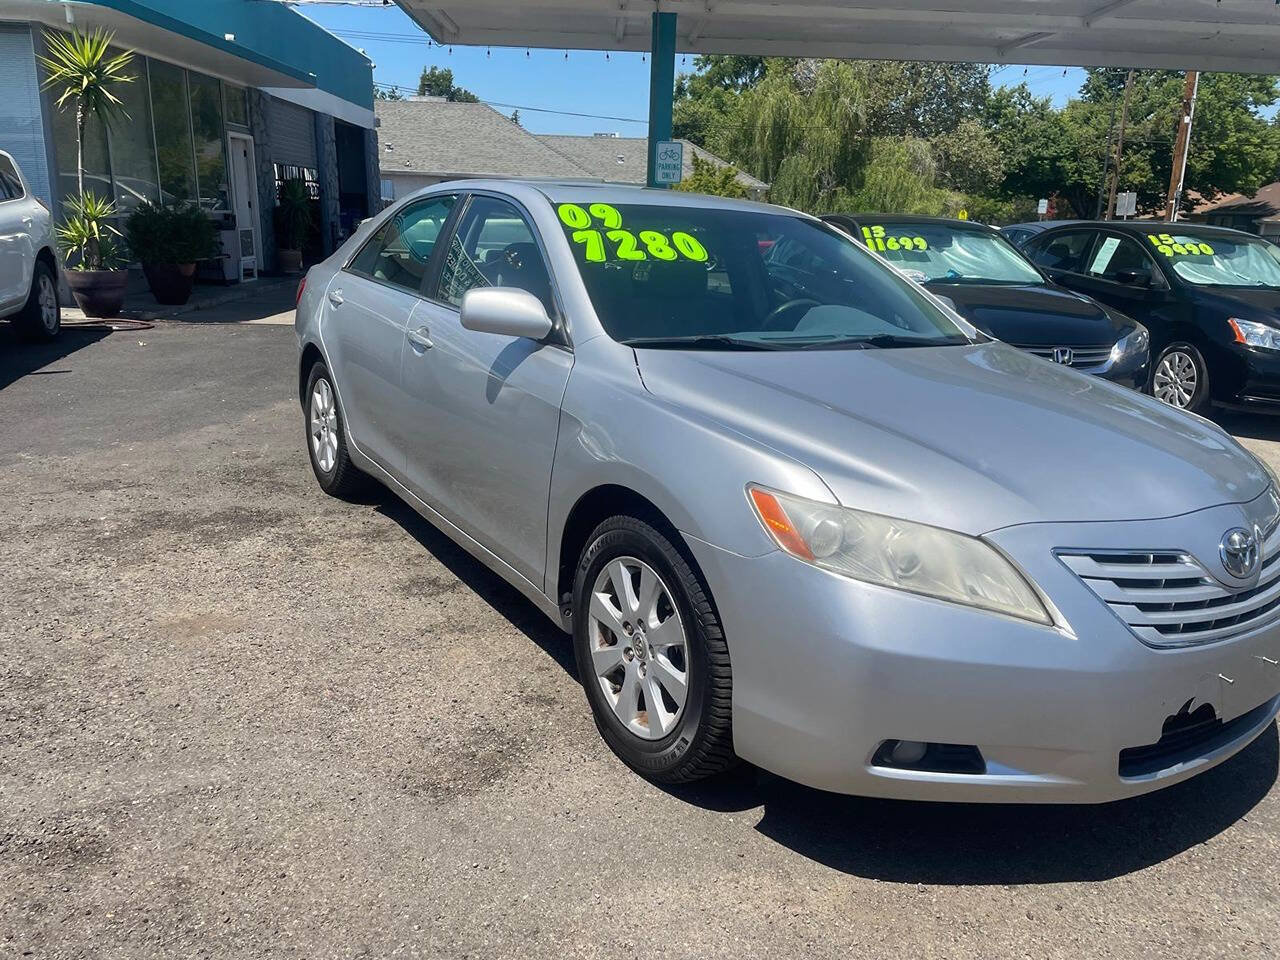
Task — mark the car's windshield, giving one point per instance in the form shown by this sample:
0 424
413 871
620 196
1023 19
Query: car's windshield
724 279
1215 259
949 254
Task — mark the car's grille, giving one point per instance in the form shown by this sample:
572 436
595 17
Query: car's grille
1080 356
1169 600
1188 735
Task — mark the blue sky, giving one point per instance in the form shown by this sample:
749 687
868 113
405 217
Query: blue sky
585 83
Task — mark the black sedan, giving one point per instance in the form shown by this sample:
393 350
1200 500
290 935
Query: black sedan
1210 297
989 283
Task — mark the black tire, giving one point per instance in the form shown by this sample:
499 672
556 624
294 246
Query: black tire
700 745
32 320
343 479
1177 355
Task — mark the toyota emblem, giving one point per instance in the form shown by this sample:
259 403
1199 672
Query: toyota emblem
1239 552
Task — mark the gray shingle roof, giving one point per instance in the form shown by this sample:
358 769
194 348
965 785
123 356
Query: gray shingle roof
460 139
625 159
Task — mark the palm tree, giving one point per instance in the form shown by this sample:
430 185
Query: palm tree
82 68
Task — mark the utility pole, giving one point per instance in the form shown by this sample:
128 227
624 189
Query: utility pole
1106 163
1182 146
1115 173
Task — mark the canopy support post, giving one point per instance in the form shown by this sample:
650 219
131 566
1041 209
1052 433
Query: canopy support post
662 81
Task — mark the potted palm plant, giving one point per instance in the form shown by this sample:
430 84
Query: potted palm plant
293 223
168 240
83 71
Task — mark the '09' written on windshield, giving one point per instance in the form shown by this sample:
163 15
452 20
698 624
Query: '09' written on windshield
598 235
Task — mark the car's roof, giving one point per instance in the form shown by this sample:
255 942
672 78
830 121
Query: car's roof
1146 227
874 218
1036 226
565 191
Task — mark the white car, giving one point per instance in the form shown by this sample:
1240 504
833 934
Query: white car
28 263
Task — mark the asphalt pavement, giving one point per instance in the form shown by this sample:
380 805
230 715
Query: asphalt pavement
241 719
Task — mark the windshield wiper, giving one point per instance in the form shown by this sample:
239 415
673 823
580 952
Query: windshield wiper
887 341
700 342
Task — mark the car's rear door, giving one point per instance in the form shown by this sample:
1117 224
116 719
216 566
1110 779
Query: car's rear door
486 407
368 308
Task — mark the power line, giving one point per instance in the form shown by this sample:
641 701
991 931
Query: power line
521 106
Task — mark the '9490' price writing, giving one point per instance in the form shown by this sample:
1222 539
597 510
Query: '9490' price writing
1186 247
878 240
614 242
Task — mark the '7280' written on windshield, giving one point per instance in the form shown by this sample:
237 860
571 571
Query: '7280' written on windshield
598 235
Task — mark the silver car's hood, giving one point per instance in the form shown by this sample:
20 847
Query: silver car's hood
972 438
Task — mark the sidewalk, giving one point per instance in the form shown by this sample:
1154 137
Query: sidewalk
269 301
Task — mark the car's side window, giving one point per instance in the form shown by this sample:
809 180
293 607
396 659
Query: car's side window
1119 259
494 246
1060 251
399 252
10 182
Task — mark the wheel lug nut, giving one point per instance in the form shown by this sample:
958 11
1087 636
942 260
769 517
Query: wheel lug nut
629 653
627 628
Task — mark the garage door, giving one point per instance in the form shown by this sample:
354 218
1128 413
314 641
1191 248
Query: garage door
21 125
293 135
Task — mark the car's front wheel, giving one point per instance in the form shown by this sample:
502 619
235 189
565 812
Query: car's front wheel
41 318
1180 377
326 437
651 654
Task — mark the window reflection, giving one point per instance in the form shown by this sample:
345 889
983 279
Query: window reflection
211 154
173 132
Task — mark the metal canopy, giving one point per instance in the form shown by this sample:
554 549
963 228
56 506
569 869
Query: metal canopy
1241 36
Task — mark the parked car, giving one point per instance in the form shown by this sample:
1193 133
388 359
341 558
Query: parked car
790 509
28 263
1209 296
978 273
1020 233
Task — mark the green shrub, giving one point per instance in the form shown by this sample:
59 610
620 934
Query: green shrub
179 233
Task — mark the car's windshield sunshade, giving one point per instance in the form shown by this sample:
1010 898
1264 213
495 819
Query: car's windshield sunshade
1219 260
944 253
723 279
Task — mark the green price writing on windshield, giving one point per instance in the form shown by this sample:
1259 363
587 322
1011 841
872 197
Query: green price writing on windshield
1171 247
625 244
878 240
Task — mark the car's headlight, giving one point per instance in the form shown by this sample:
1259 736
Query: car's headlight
1255 334
897 553
1134 343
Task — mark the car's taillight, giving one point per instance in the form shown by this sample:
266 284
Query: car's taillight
302 285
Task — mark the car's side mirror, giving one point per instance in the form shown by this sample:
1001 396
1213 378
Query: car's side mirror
506 311
1134 278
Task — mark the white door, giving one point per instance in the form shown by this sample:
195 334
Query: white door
244 186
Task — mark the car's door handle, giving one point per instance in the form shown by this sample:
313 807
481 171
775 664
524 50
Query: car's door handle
419 338
27 221
335 297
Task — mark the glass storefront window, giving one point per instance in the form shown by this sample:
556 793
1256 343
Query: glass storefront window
97 168
237 104
173 132
211 151
133 148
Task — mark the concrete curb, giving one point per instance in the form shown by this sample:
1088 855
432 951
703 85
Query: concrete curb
242 291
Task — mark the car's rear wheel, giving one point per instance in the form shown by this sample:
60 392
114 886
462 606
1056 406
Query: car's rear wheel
1180 377
41 318
326 437
651 654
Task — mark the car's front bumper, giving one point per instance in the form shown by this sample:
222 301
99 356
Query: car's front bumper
825 669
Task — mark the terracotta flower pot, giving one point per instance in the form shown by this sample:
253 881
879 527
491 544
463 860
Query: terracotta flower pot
99 293
170 282
290 260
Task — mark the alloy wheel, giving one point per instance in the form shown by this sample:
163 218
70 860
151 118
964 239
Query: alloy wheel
324 426
1176 379
639 651
47 297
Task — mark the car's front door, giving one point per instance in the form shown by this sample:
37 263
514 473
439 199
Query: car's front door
487 407
369 305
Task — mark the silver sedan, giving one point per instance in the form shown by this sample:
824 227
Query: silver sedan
791 508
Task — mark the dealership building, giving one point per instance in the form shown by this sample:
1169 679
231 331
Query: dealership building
230 98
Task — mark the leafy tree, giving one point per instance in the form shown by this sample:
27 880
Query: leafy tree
438 82
712 178
922 99
387 93
968 159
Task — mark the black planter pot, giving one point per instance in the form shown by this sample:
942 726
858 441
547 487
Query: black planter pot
170 282
99 293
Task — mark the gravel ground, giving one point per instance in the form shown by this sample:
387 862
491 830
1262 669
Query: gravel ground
240 719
